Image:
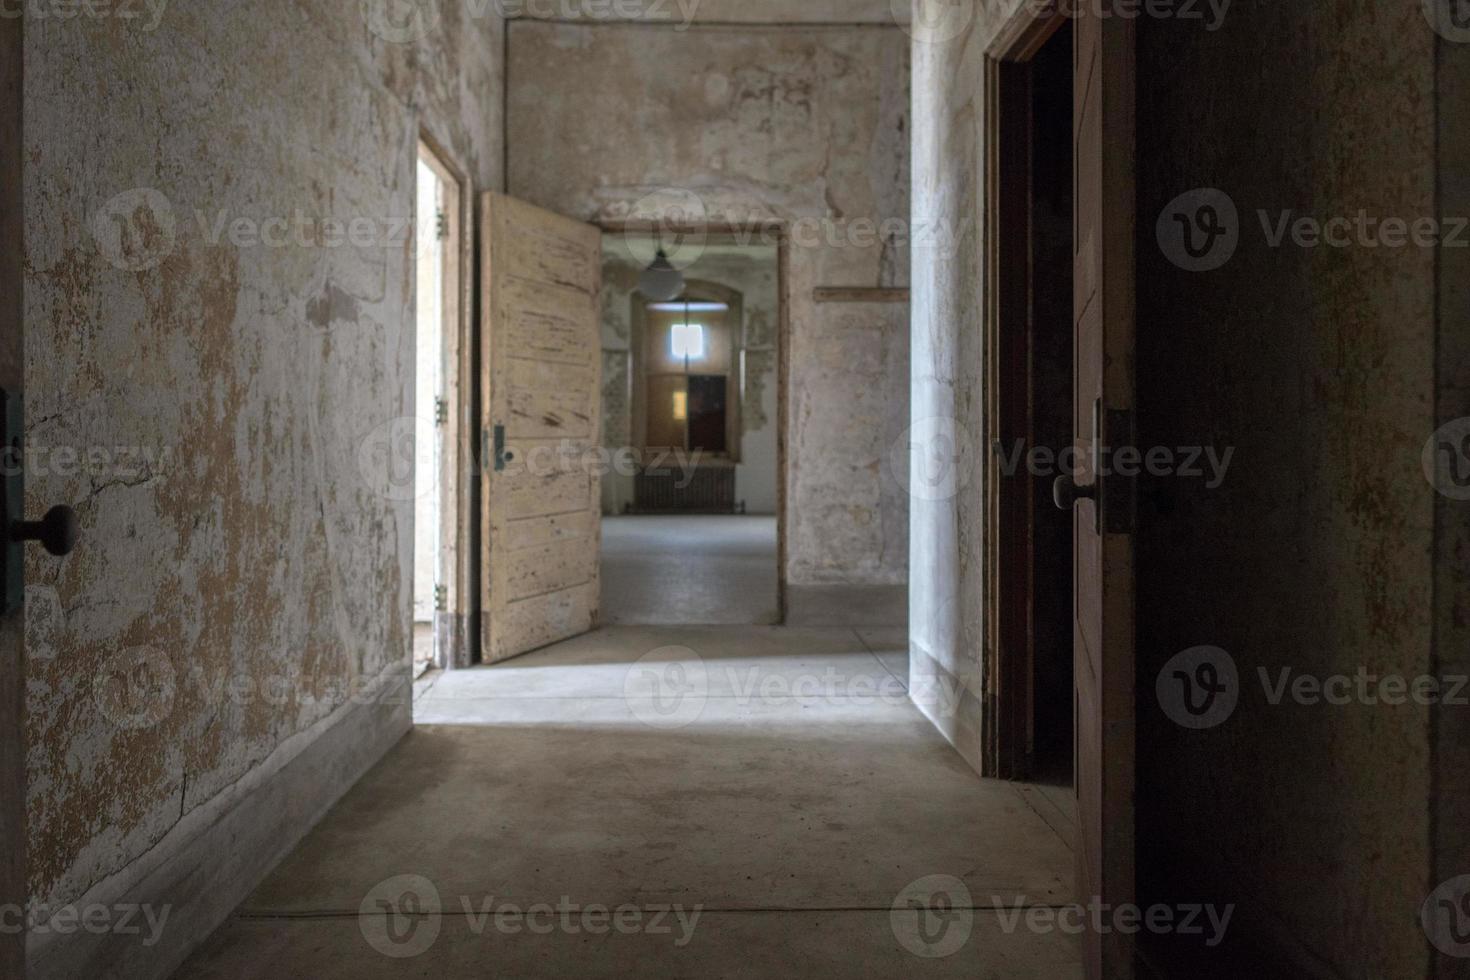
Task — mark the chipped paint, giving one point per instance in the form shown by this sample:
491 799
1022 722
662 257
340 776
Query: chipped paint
240 590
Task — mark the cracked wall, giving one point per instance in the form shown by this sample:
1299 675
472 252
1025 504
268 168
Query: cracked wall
719 125
219 298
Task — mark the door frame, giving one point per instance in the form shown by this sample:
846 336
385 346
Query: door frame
1007 327
459 469
776 233
1104 763
1008 735
13 887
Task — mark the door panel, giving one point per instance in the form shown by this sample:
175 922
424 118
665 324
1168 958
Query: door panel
542 527
1103 628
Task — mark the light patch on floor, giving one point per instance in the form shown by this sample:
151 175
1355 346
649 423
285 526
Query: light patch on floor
775 781
689 570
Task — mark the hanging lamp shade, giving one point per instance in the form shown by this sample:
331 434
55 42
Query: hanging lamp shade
661 282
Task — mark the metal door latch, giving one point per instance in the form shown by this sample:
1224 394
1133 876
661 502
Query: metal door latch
497 456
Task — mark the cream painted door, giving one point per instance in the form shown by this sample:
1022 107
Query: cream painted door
540 412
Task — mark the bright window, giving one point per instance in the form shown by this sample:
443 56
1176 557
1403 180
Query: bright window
687 341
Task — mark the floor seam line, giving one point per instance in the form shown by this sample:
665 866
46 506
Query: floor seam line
874 654
1040 816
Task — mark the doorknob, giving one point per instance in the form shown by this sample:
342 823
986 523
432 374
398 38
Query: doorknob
57 531
1067 493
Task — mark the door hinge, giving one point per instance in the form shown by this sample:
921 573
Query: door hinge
441 411
441 598
441 225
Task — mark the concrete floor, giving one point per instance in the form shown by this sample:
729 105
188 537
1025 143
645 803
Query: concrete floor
775 780
689 570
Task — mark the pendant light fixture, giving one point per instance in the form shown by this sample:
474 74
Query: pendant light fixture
661 282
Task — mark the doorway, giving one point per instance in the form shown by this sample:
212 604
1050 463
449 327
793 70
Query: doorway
1061 202
440 637
1033 243
691 409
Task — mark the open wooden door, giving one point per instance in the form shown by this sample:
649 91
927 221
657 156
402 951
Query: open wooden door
1103 240
541 527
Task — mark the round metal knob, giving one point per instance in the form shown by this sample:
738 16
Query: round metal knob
57 531
1066 492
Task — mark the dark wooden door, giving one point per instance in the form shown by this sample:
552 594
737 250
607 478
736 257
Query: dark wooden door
1103 121
12 627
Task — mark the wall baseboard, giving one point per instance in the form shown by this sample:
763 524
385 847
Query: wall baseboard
847 605
954 709
212 860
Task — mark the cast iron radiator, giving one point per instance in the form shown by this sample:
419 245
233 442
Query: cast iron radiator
676 490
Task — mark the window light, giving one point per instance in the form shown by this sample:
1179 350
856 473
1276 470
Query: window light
687 341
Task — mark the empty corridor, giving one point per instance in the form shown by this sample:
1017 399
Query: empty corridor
773 789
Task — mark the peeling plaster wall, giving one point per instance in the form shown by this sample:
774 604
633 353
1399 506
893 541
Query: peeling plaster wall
1318 367
946 592
752 271
802 125
244 562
